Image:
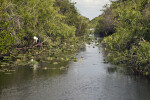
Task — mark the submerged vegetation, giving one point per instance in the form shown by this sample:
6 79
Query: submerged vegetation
28 28
127 38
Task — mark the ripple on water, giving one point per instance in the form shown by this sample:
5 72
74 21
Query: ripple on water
90 79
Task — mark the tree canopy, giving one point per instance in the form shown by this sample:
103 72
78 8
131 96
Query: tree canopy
125 25
49 20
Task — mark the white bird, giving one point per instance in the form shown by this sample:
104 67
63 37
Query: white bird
35 39
31 60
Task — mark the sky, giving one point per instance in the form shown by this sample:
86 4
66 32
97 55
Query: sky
90 8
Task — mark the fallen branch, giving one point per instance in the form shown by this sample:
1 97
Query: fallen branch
24 48
39 44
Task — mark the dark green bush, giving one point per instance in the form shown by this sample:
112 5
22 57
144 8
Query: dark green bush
130 43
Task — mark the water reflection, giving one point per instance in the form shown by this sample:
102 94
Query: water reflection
112 70
82 49
35 66
28 73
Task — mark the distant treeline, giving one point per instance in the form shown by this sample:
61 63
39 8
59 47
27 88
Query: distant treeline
125 24
53 22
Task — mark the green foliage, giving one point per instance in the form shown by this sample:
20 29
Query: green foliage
130 43
48 20
73 18
93 23
5 32
56 23
106 23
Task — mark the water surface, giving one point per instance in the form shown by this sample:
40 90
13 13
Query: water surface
87 79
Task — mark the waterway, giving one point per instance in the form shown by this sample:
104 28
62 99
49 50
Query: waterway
87 79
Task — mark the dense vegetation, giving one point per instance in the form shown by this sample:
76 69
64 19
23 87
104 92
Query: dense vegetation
93 23
126 25
56 23
106 23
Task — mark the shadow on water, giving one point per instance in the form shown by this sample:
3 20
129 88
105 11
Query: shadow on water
28 73
112 70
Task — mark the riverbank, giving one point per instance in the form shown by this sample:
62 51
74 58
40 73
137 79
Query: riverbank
30 29
61 53
125 28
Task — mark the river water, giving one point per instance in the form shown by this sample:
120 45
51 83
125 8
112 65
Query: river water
87 79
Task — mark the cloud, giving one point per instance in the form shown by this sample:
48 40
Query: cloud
90 8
